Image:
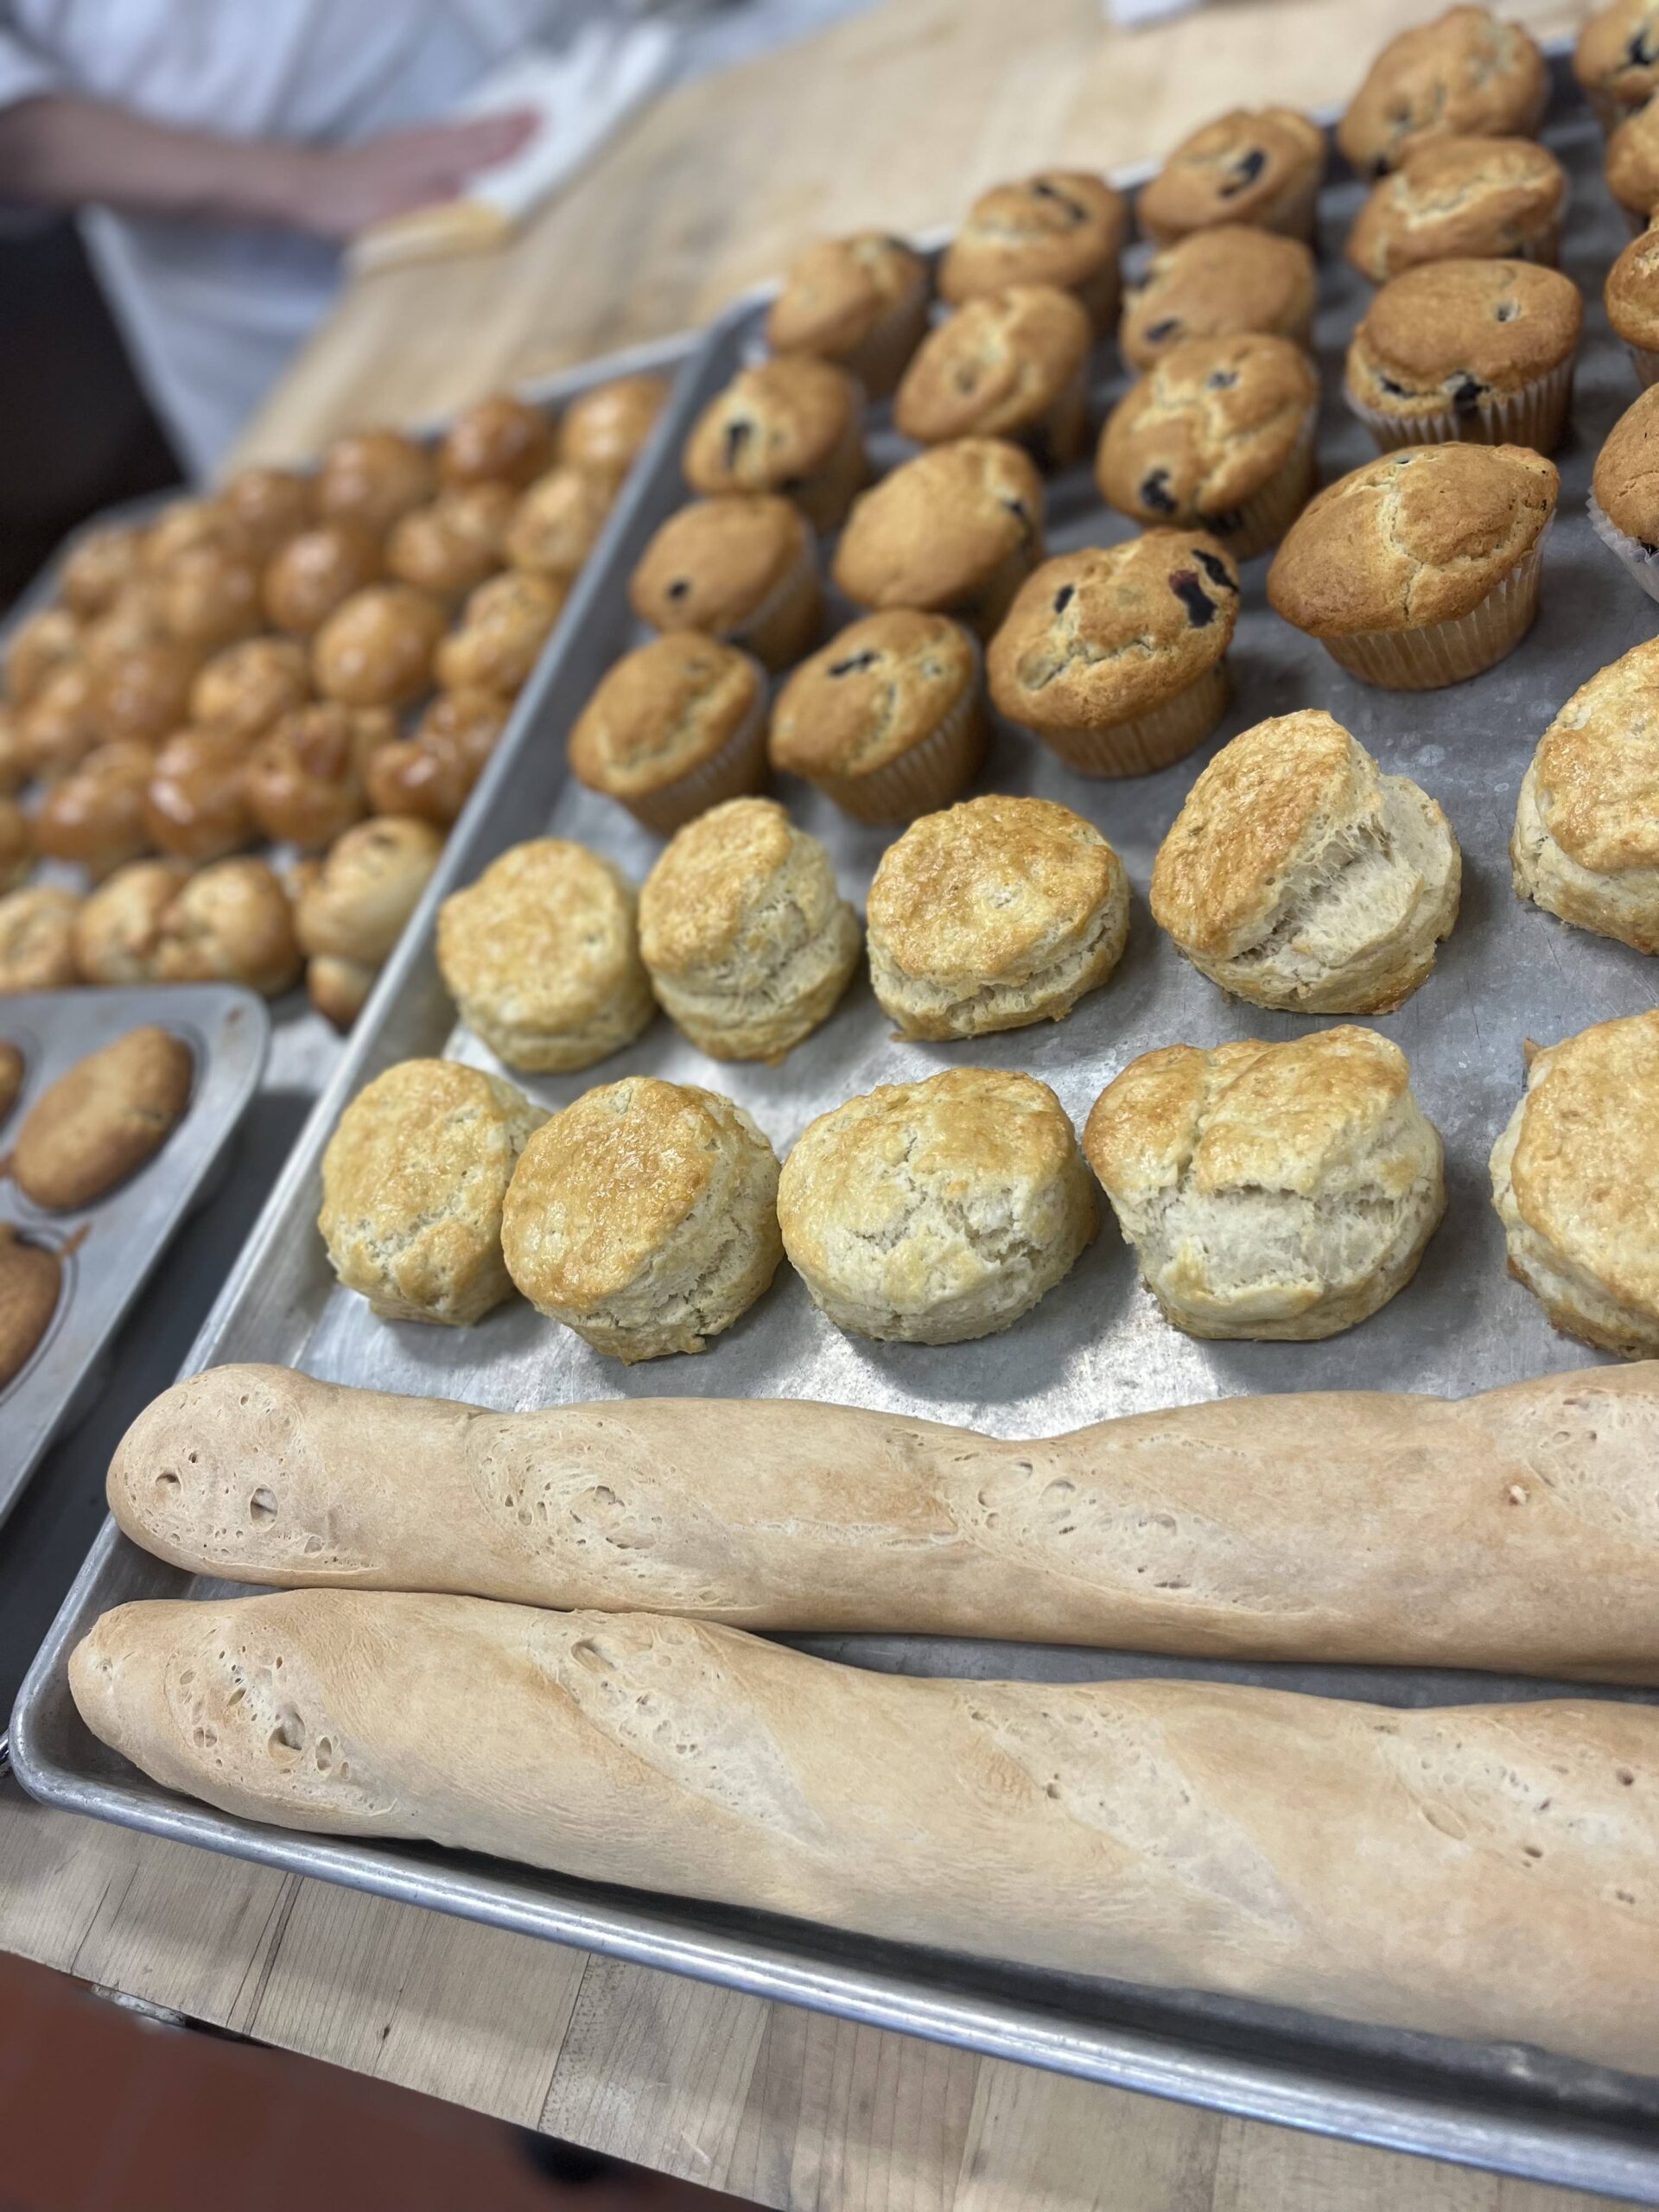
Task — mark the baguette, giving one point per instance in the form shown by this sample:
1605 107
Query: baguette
1484 1871
1516 1530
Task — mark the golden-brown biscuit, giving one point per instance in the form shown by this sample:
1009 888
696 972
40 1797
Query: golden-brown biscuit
31 1283
377 649
95 816
37 938
196 802
229 924
432 772
316 572
371 477
304 783
117 931
103 1119
503 627
246 688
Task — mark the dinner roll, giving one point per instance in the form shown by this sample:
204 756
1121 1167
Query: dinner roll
371 477
229 924
496 440
450 546
541 956
268 506
118 930
1296 875
930 1212
370 883
603 429
432 772
747 942
1282 1191
60 724
994 914
16 846
195 799
34 646
37 938
98 566
376 650
316 572
14 759
244 690
338 989
644 1217
304 781
95 816
413 1181
504 625
1575 1180
144 695
555 525
210 597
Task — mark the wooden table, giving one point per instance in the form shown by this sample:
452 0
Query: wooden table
894 119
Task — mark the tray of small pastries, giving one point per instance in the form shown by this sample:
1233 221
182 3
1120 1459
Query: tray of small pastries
1074 916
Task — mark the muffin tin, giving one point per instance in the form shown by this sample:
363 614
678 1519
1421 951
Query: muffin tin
1094 1347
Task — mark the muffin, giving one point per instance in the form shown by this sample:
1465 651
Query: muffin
746 940
304 783
16 846
98 567
449 546
1460 200
542 957
231 923
1013 364
1631 298
243 690
1420 568
1575 1180
1479 351
1585 845
993 915
431 772
103 1120
793 425
413 1180
377 649
887 721
1064 227
673 729
1616 59
1263 166
1115 656
1276 1191
95 816
603 429
1218 283
355 906
36 647
1465 75
37 938
954 532
195 804
860 301
60 725
499 639
555 522
118 930
741 568
644 1217
371 477
268 506
937 1211
1218 435
144 695
499 440
1631 167
1625 490
1296 876
313 575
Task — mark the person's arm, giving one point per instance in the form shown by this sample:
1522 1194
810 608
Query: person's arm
63 151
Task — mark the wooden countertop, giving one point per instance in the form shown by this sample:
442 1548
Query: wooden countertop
894 117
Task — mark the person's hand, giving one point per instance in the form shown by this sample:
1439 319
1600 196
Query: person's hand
334 191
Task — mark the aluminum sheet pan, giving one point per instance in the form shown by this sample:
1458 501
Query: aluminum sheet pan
1094 1347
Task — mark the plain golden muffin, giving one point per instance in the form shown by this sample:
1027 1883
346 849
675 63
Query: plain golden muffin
1061 226
1263 166
1216 284
741 568
1116 656
1453 198
956 531
674 729
1630 296
103 1119
860 301
1013 365
1464 75
993 915
795 425
1632 166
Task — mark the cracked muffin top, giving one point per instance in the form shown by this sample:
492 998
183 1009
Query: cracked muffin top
878 689
1099 636
997 365
1461 330
1062 226
1214 284
933 532
1207 428
1249 166
1464 75
1453 197
772 426
1420 536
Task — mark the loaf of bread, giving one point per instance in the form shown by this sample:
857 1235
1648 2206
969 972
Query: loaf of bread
1482 1870
1516 1530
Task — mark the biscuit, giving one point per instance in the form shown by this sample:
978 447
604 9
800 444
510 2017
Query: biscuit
1279 1191
747 941
102 1119
413 1183
644 1217
936 1212
995 914
1464 75
1297 876
1575 1180
1216 284
1585 845
229 924
957 531
674 729
118 930
542 957
37 938
31 1283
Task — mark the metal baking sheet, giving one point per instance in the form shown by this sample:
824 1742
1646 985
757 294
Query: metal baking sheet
1094 1347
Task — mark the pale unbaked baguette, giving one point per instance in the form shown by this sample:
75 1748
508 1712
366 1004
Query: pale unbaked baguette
1516 1530
1486 1870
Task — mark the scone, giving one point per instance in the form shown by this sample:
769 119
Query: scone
957 531
542 957
413 1183
1585 845
1464 75
1013 365
1297 876
1062 226
1625 490
103 1119
1218 436
1215 284
644 1217
794 425
887 721
1115 657
747 942
742 568
1616 59
1575 1180
1422 568
993 915
1630 296
31 1283
859 302
1263 166
673 729
37 938
1455 199
118 932
1279 1192
229 924
936 1212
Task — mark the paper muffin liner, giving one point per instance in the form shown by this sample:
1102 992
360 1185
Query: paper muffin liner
1642 564
1645 362
784 626
881 357
737 769
1535 416
1262 519
824 496
1162 735
920 781
1438 653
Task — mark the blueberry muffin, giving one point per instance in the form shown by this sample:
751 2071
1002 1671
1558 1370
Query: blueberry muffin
1263 166
1217 284
1063 226
1459 199
1010 365
954 532
1464 75
1616 59
741 568
794 425
859 302
1631 167
673 729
